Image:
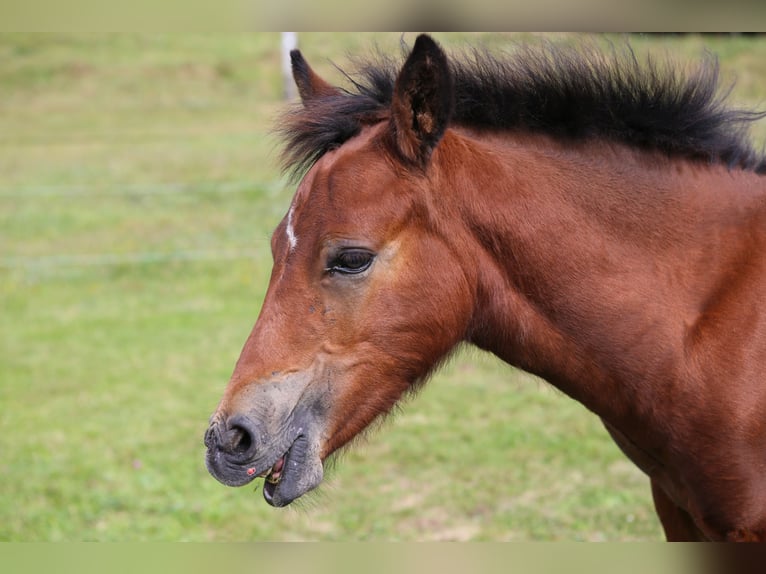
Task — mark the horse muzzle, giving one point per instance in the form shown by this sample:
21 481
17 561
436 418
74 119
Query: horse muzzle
281 445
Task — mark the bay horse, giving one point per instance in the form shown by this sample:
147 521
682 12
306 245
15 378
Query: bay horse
589 216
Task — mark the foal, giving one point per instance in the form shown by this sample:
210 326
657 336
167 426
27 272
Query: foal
598 222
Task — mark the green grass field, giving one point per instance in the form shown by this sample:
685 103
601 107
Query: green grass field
138 189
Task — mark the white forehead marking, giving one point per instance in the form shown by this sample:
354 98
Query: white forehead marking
303 190
291 237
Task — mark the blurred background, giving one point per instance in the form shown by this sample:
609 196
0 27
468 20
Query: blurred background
139 185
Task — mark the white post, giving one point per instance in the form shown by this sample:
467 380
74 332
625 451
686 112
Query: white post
289 42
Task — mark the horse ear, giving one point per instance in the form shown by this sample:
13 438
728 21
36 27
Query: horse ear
422 101
309 85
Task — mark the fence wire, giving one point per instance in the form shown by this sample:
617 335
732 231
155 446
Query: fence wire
49 262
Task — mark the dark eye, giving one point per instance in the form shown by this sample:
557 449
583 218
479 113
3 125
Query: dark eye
350 262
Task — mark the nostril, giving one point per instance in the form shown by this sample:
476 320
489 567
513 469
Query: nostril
235 438
240 441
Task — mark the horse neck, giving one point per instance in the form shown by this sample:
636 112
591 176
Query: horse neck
581 252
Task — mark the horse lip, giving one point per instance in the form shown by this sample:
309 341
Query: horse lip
232 470
269 489
225 470
290 479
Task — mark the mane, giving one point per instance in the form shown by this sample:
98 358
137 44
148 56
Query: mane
565 92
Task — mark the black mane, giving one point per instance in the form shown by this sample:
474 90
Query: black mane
568 93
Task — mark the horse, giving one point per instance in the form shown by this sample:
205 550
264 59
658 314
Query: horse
592 217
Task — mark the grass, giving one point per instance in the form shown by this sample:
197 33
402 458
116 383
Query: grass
138 189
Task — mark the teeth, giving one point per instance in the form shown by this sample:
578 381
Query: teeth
274 474
273 477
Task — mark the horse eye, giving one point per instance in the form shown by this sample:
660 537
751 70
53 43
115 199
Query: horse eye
350 262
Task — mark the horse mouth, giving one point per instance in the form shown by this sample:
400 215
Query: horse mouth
293 474
272 478
237 466
274 474
241 449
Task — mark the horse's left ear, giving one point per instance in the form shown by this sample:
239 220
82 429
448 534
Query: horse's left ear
309 84
422 102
